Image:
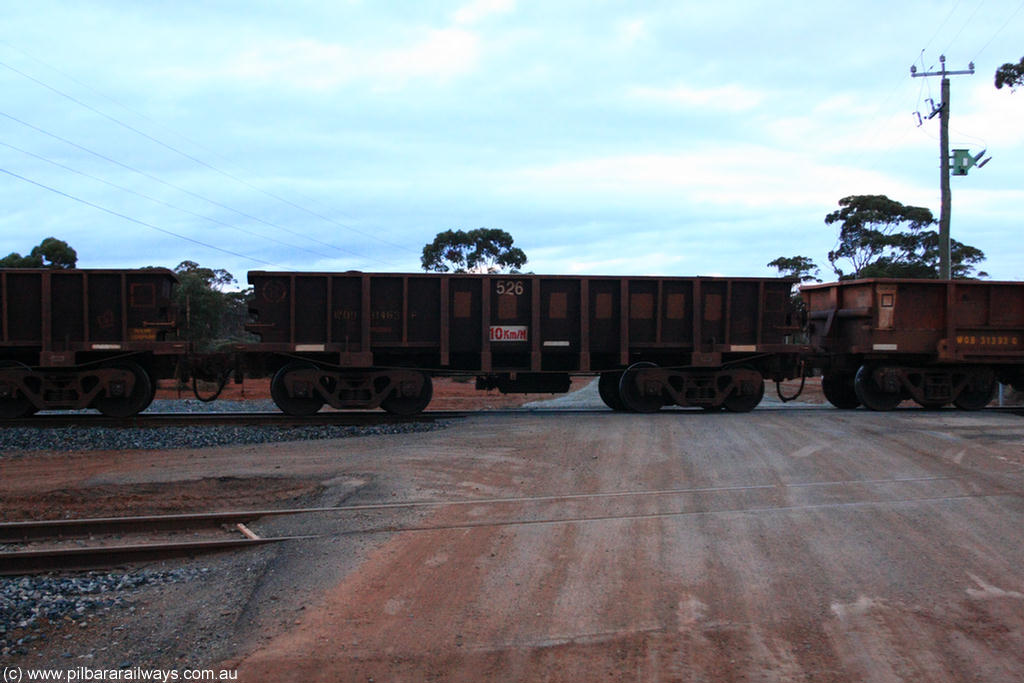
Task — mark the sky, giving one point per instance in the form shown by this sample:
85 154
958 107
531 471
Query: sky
607 137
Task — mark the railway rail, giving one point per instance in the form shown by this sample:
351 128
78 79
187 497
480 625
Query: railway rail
106 547
555 508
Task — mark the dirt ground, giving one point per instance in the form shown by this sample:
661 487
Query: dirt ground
794 543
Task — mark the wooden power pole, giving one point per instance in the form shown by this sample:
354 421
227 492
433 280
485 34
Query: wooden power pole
944 251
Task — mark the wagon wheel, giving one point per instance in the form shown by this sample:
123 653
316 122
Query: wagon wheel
409 405
608 388
872 395
838 389
298 406
632 396
135 402
13 407
976 396
744 403
17 404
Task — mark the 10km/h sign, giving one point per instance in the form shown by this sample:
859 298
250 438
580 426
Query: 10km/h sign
508 333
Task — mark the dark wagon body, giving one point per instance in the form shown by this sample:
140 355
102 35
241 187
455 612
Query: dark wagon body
879 341
362 340
84 338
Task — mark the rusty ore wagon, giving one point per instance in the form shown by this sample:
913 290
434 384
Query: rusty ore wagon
84 338
361 340
880 341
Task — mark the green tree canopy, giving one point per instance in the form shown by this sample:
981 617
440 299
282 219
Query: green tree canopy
1010 74
800 267
209 313
50 253
881 237
213 278
484 250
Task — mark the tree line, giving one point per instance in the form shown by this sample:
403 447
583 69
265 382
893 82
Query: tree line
880 237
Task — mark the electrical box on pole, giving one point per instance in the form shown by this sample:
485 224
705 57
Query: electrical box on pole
963 160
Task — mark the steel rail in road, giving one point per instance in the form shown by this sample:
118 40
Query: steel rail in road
90 557
33 530
38 561
42 560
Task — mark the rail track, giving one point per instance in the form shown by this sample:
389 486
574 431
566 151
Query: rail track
567 508
58 544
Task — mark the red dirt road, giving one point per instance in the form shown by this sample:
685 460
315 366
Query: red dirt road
778 546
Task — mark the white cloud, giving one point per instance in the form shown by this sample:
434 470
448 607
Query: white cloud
985 115
1003 205
737 176
478 10
633 31
826 135
435 54
847 124
729 98
443 53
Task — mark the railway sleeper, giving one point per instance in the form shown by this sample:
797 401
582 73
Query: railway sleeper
303 388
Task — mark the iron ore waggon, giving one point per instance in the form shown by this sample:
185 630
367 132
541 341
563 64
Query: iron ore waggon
85 338
361 340
880 341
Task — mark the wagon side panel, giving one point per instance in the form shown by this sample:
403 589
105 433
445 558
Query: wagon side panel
271 309
24 310
987 323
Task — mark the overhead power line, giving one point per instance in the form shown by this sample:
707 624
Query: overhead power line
179 188
941 26
157 201
999 30
963 26
135 220
199 161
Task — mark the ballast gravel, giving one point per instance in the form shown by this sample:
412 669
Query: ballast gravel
15 440
31 605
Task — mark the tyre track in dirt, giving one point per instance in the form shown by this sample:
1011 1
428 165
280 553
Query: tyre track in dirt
778 546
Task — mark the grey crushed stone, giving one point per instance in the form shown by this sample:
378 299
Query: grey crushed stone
70 439
30 605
